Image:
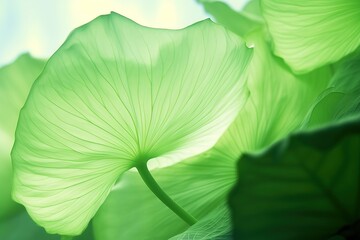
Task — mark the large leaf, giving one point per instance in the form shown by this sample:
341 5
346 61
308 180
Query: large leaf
309 34
305 187
115 95
15 82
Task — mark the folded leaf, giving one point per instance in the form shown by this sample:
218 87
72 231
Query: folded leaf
342 97
240 23
304 187
310 34
15 82
278 105
115 95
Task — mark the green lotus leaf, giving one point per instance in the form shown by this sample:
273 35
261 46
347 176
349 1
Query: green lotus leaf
278 104
15 82
304 187
115 95
310 34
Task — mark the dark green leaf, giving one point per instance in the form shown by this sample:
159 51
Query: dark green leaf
304 187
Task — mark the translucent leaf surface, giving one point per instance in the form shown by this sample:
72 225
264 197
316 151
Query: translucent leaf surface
304 187
115 95
216 226
188 183
15 82
309 34
278 105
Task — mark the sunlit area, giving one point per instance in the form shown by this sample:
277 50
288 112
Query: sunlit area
179 119
40 26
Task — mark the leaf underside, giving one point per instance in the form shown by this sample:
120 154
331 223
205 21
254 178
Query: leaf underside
115 95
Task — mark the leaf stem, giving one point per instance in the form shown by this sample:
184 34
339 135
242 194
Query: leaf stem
157 190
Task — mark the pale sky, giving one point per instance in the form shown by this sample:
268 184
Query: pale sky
41 26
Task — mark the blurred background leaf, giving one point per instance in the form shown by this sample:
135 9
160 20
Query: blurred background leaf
307 186
15 82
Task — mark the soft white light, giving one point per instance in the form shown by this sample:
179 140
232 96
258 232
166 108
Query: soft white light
41 26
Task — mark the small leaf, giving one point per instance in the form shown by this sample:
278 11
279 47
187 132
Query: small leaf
310 34
115 95
305 187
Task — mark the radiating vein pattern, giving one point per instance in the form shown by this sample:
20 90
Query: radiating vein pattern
115 95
